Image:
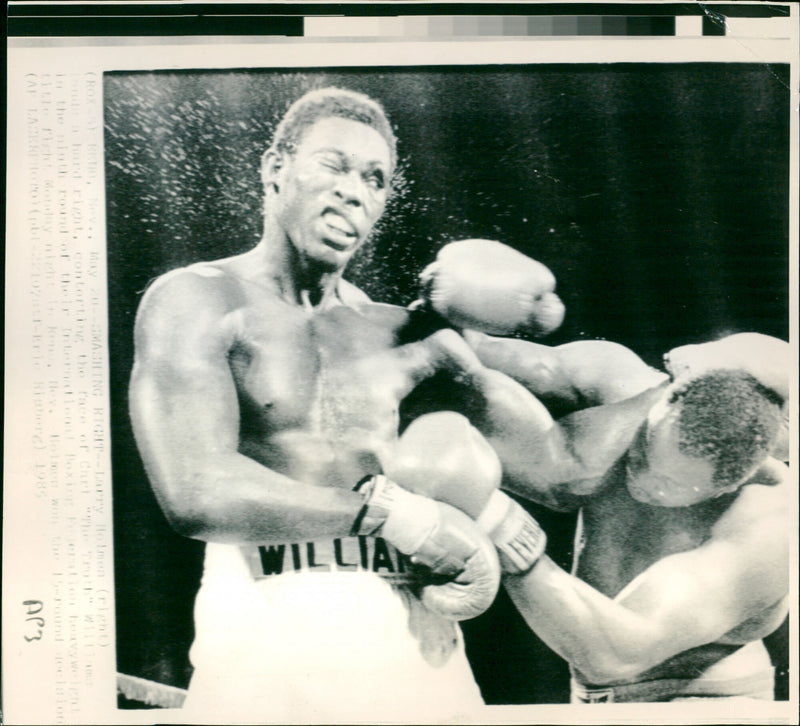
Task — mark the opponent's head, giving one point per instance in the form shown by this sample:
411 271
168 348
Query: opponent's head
704 438
328 172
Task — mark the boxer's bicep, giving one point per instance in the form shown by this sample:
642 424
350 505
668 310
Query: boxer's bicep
696 597
183 402
536 367
605 372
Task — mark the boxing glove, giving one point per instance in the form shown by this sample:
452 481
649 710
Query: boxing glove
765 358
438 536
487 286
442 456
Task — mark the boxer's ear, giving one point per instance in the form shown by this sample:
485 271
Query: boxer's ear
272 162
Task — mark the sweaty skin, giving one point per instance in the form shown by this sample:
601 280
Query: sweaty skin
265 386
655 591
256 422
264 389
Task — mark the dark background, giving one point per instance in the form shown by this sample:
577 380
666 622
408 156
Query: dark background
656 193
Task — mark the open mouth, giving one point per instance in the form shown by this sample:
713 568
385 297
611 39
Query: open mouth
340 233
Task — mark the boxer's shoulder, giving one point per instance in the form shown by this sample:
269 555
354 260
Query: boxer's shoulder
195 297
408 325
756 519
198 283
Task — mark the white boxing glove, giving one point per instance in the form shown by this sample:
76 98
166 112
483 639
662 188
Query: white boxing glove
442 456
764 357
439 537
488 286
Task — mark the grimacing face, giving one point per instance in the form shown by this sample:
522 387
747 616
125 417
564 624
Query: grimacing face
658 473
332 189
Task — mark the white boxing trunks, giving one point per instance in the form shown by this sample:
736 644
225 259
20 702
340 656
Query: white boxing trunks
322 632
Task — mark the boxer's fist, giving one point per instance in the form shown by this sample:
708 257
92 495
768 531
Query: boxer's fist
442 456
488 286
441 538
474 589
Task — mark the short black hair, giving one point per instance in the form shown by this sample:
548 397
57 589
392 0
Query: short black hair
323 103
730 418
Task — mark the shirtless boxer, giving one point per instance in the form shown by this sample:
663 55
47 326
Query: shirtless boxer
681 557
264 389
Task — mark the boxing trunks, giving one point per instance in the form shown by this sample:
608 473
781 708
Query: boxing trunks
322 631
758 686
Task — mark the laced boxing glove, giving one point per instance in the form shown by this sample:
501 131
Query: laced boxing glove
442 456
487 286
437 536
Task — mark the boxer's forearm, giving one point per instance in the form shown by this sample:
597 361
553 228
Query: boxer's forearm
602 639
536 457
230 498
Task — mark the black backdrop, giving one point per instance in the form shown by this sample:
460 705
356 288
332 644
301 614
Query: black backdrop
657 194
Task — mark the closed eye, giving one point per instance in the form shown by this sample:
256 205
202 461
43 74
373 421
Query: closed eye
335 166
333 160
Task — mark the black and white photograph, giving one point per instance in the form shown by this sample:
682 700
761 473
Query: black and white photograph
425 387
597 234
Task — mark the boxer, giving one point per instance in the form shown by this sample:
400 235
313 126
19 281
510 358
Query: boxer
681 556
264 399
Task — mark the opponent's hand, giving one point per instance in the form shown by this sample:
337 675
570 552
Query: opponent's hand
442 456
488 286
439 537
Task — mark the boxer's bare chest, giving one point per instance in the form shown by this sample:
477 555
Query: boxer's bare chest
620 537
323 371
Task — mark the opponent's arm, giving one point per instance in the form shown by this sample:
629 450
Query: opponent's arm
579 374
185 415
555 463
681 602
